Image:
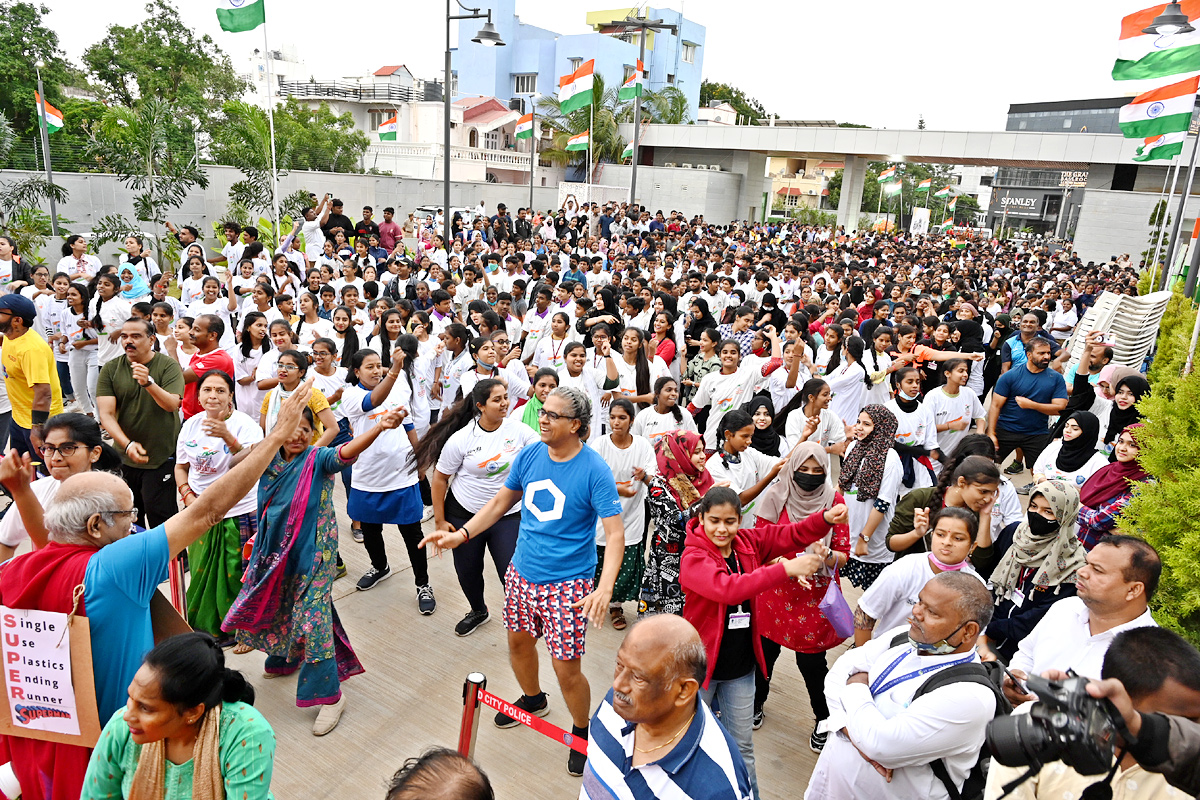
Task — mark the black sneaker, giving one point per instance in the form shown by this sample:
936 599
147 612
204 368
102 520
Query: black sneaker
759 716
356 534
816 742
538 706
341 572
425 602
1015 468
575 763
373 576
470 622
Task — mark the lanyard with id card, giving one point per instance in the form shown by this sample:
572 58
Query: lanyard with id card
737 620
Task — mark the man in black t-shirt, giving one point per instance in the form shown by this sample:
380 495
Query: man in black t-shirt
337 221
367 226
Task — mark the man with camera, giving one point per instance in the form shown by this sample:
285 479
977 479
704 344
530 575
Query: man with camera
1148 673
890 735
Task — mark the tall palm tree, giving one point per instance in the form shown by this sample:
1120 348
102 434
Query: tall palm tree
666 107
607 143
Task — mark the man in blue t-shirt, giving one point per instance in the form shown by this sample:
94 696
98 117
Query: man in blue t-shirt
563 488
1023 401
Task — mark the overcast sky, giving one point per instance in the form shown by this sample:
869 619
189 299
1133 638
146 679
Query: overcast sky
958 63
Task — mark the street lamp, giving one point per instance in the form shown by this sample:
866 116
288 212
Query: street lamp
488 37
1170 22
46 145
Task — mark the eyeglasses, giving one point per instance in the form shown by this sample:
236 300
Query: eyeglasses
289 367
65 450
499 341
114 512
553 416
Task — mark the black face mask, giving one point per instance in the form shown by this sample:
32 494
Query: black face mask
1039 525
807 482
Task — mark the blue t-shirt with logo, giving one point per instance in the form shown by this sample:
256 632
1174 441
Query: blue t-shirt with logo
1040 387
560 503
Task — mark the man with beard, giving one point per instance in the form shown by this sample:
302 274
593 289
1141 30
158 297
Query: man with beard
30 374
1023 401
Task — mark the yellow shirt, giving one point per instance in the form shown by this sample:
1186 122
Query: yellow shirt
1057 781
27 361
316 404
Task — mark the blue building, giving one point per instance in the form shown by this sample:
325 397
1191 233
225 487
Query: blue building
534 58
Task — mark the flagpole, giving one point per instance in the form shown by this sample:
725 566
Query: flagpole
532 151
591 122
1162 220
46 148
271 127
1172 248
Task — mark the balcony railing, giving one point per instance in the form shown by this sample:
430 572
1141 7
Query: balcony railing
345 90
493 158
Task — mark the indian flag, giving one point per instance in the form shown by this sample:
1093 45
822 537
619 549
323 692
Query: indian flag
633 87
525 127
1167 109
1166 146
943 192
947 225
953 204
1150 55
236 16
925 185
887 174
53 117
628 151
892 188
575 90
579 142
387 131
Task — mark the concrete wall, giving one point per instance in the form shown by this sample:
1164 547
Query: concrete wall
1112 223
692 191
751 166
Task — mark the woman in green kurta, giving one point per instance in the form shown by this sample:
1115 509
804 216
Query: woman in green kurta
189 732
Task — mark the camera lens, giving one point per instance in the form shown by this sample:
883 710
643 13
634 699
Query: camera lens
1018 740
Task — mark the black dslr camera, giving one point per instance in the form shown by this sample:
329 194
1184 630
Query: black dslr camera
1066 724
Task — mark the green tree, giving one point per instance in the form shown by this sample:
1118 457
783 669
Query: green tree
21 201
667 107
24 41
746 106
244 141
161 57
140 145
607 143
1156 216
318 139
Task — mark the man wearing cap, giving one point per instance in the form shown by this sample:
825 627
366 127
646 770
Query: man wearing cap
30 374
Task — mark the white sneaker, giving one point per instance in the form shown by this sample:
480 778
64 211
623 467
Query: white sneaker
329 717
428 515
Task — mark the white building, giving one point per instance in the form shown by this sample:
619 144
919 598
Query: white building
977 182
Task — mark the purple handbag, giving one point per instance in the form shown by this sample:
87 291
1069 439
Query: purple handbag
835 609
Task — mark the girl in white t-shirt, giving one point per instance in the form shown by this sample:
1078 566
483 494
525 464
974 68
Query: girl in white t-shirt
808 416
245 363
747 471
955 409
637 371
190 289
108 313
665 414
76 262
210 302
916 431
550 351
311 326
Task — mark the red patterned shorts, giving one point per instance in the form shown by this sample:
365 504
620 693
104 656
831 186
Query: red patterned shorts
544 610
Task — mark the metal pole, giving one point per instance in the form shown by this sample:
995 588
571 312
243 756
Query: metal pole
470 714
271 126
1173 244
46 150
446 141
1187 367
532 153
637 118
1162 222
591 122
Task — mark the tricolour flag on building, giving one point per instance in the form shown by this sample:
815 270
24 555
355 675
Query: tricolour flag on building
887 174
579 142
236 16
53 117
1152 55
387 129
525 127
1165 146
943 192
628 151
1167 109
925 185
633 87
575 90
947 225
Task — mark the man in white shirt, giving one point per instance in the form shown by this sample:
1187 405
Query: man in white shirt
884 738
314 239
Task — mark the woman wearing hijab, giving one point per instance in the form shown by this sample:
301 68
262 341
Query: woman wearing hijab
970 340
680 483
133 286
603 311
870 479
1128 387
1105 494
1073 458
699 320
770 314
991 365
1038 569
789 615
766 439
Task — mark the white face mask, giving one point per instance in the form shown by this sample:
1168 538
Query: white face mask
904 396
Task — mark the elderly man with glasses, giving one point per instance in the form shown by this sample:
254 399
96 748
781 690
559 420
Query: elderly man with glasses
563 488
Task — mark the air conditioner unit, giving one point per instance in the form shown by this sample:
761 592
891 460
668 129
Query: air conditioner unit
811 191
715 167
702 166
669 164
686 166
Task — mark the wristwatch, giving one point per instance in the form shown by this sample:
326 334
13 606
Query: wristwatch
149 382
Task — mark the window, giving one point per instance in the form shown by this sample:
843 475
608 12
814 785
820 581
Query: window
574 64
628 73
377 117
985 180
525 84
1023 125
670 79
689 53
491 140
1066 123
453 83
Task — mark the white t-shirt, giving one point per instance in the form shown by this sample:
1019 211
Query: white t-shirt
208 457
621 462
889 490
946 409
89 265
310 332
12 527
1045 465
881 392
479 460
589 381
627 373
387 464
830 430
849 386
752 468
249 396
653 425
218 308
535 326
314 239
113 314
777 384
915 429
551 353
891 597
722 392
329 385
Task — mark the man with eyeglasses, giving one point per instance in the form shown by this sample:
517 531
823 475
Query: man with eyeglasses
563 488
89 525
30 374
138 398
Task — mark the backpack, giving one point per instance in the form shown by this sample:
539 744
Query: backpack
987 673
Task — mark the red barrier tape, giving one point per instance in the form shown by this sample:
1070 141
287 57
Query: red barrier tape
537 723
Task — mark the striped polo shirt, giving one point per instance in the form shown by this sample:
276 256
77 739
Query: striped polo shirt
704 765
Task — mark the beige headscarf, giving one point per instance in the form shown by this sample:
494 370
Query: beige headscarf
784 493
1057 557
150 779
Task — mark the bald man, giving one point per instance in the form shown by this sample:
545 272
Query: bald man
653 721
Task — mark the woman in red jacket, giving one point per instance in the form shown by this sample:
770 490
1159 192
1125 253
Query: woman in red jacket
722 570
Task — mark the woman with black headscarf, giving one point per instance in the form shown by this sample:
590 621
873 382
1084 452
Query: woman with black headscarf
604 310
1129 386
970 340
1073 458
770 314
699 320
766 439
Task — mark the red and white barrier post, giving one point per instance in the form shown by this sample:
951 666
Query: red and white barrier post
474 684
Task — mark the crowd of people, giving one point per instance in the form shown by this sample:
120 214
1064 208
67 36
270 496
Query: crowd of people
701 426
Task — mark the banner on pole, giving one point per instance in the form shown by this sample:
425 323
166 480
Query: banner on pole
919 224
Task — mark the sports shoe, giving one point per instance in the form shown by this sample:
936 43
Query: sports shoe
470 622
356 534
1026 489
1015 468
427 514
372 577
329 717
538 706
759 716
425 602
816 742
576 760
341 572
